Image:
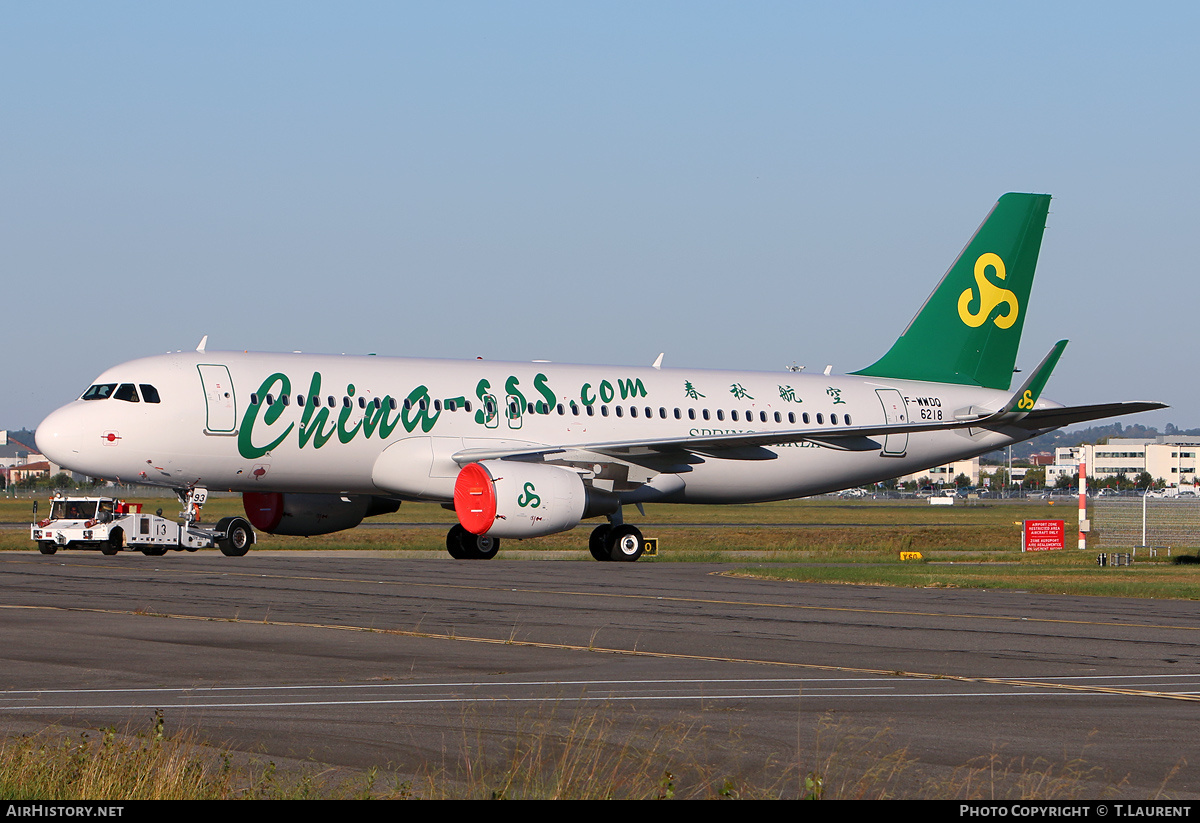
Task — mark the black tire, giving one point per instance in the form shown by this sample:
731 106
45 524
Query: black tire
47 547
154 551
463 545
238 539
454 542
598 542
484 547
625 543
113 544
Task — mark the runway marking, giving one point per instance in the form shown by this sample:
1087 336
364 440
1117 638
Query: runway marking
998 681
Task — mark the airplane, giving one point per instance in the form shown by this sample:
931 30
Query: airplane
317 443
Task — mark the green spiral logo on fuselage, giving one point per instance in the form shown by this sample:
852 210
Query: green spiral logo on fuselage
990 296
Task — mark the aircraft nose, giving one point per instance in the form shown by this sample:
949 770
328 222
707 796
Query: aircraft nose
58 436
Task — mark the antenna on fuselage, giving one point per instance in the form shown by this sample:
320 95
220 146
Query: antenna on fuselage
658 360
203 343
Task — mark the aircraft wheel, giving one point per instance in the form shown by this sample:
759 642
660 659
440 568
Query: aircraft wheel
454 542
598 542
47 547
238 539
463 545
625 543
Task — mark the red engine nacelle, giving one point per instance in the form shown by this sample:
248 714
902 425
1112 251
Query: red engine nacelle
304 515
511 499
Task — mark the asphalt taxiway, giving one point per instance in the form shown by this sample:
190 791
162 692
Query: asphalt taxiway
364 661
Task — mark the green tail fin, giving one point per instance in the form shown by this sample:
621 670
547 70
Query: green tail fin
969 329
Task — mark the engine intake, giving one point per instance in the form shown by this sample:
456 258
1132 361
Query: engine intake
512 499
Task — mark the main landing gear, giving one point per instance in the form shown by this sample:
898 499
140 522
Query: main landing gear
463 545
616 542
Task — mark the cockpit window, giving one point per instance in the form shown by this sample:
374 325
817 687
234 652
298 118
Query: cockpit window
126 392
149 393
100 391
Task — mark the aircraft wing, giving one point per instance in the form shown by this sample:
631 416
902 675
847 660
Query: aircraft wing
844 438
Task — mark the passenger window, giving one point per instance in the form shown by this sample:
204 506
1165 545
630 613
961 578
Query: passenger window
437 405
253 398
704 414
561 410
362 402
270 400
451 406
126 392
846 419
778 417
100 391
806 418
621 413
792 417
733 415
720 414
632 411
332 401
820 419
149 393
604 411
284 399
762 417
691 414
833 419
467 406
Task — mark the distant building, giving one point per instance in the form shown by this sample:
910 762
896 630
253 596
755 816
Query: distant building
944 474
1170 457
28 471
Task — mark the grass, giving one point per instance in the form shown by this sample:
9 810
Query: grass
590 755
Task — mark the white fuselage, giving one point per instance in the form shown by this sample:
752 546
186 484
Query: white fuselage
213 425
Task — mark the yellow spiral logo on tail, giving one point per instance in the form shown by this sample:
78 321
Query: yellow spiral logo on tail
990 296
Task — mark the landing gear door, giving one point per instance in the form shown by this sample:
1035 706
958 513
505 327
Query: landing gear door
218 399
895 413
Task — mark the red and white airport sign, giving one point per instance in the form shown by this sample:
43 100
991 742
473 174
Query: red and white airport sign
1043 535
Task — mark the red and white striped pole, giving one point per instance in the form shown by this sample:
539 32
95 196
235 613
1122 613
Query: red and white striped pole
1082 501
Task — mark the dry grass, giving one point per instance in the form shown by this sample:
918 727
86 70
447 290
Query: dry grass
593 754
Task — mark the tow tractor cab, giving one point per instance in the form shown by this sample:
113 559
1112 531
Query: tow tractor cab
110 525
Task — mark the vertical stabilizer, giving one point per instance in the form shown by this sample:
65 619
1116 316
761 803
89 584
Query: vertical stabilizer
969 329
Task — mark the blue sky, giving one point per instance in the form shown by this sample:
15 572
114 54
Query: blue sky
740 185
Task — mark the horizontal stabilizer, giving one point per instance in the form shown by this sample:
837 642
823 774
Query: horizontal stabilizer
1054 418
